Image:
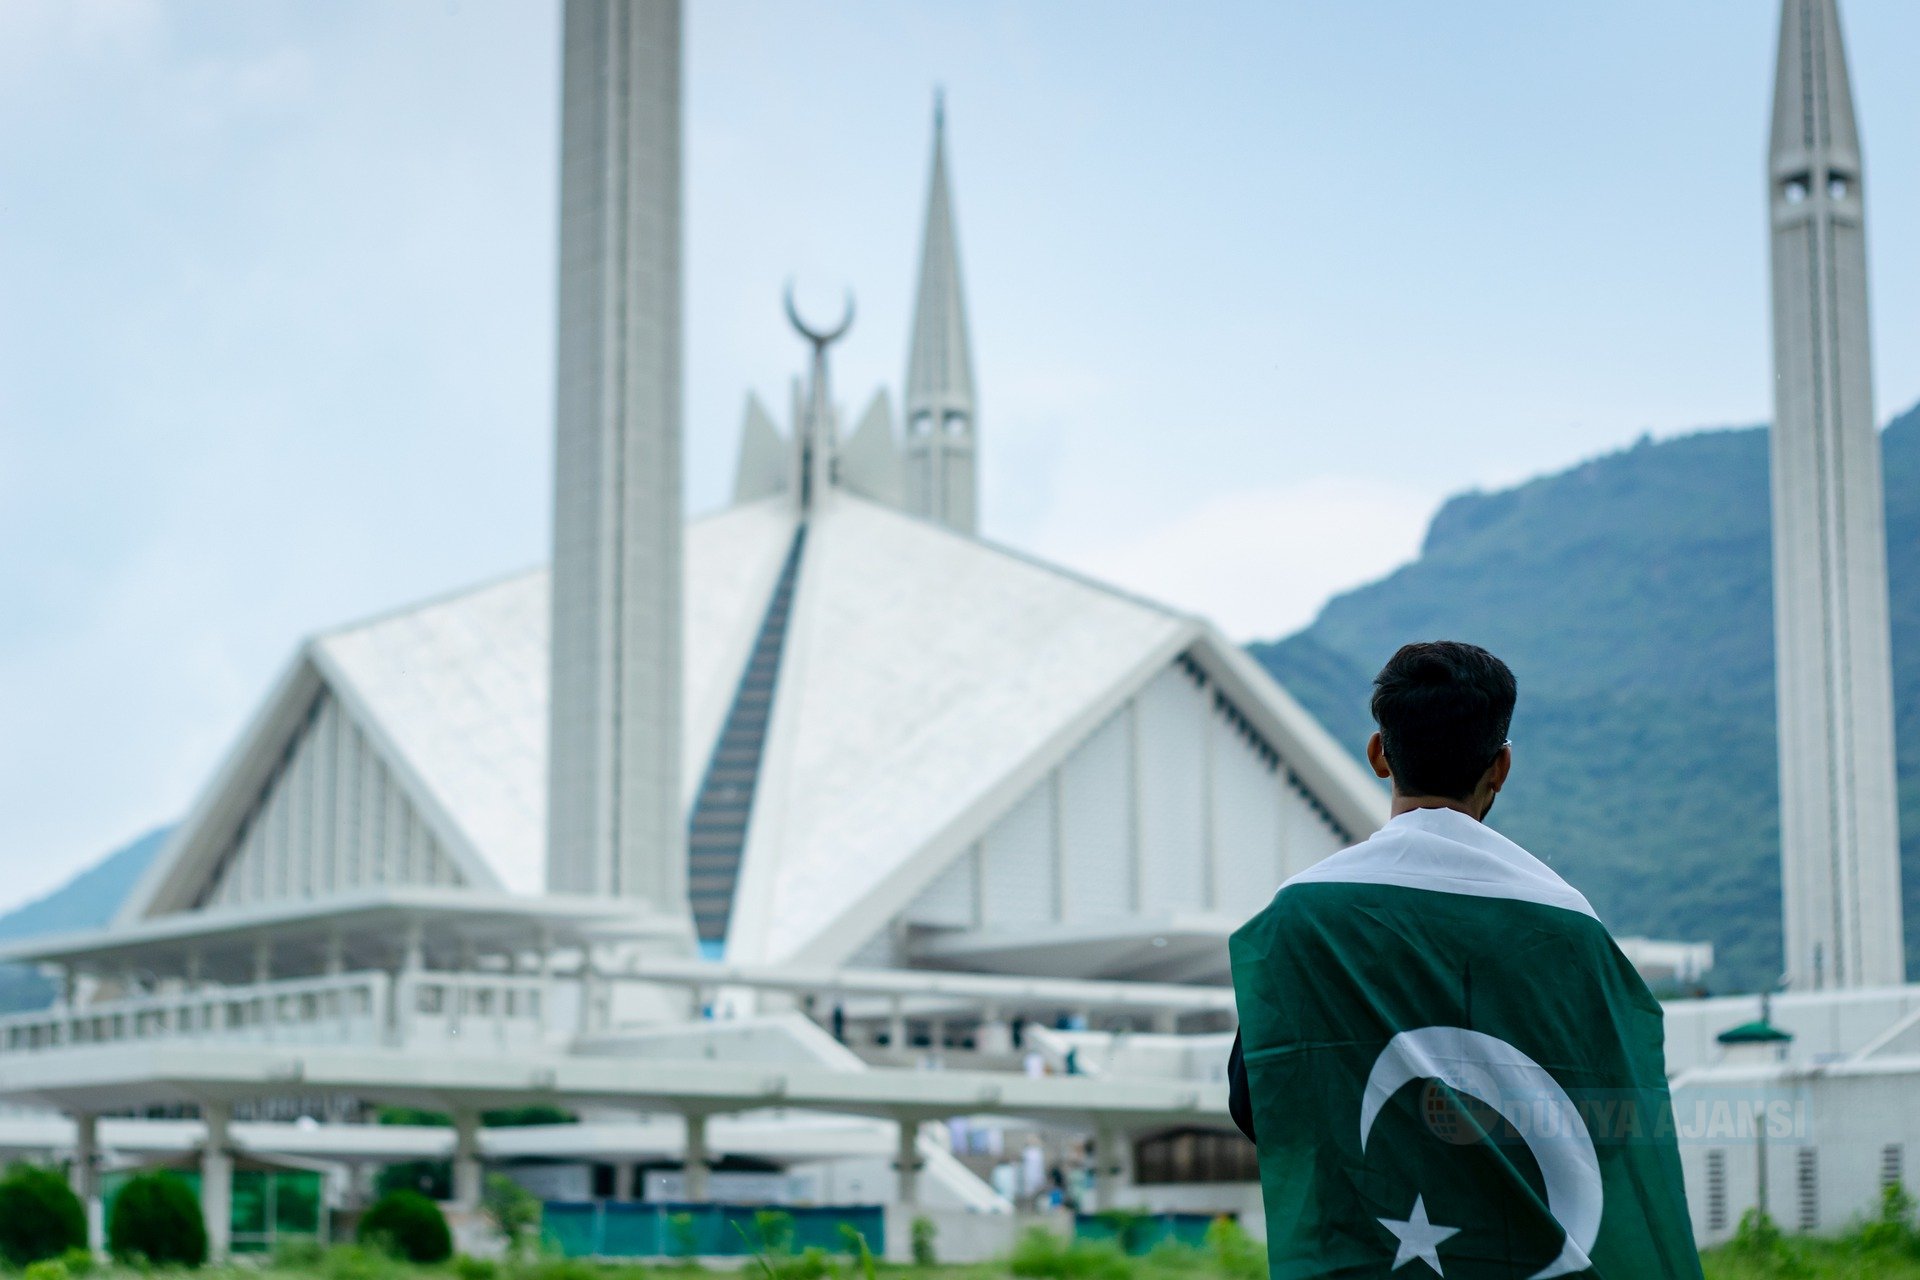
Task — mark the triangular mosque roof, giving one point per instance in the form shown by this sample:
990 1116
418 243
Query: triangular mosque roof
927 680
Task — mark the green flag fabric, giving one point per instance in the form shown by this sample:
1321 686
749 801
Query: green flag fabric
1454 1070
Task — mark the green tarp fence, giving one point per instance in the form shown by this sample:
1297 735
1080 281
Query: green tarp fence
270 1206
1139 1233
648 1229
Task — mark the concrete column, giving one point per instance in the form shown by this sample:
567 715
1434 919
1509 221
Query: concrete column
623 1180
216 1181
466 1160
589 994
84 1177
696 1160
336 961
907 1163
897 1026
1106 1167
413 954
262 959
993 1036
1166 1022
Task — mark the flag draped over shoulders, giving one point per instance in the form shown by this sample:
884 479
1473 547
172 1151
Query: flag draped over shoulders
1453 1069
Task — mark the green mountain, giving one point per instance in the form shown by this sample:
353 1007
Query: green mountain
85 902
1633 597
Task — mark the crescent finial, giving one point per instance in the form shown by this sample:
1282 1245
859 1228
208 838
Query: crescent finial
818 338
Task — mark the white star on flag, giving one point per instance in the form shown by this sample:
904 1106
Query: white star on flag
1418 1237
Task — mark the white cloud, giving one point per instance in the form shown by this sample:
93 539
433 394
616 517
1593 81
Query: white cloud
1261 562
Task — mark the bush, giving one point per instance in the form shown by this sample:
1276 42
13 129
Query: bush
924 1233
40 1217
1041 1253
408 1224
811 1265
467 1268
356 1262
1757 1236
1236 1255
683 1235
1892 1226
858 1251
514 1210
298 1255
78 1261
45 1269
772 1231
156 1219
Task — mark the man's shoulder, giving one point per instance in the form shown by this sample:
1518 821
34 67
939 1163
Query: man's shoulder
1443 851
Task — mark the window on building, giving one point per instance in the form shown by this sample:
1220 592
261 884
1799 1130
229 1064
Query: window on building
1893 1160
1716 1191
1807 1179
1194 1155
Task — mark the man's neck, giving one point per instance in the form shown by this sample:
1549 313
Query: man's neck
1472 806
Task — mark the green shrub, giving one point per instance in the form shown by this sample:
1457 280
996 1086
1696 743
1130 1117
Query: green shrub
773 1231
468 1268
810 1265
1236 1255
40 1217
430 1178
1757 1235
357 1262
298 1254
514 1210
683 1236
1175 1256
857 1250
156 1220
79 1261
924 1234
45 1269
1041 1253
408 1224
1891 1226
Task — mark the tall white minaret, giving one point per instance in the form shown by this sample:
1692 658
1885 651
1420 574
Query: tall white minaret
614 826
939 449
1839 820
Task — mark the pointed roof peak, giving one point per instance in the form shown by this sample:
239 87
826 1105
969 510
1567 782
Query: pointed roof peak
939 358
1812 97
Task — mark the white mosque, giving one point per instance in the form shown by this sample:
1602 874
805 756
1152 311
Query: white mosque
765 842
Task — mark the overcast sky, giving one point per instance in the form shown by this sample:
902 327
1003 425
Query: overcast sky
1253 288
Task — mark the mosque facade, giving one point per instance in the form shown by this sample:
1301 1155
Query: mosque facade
818 849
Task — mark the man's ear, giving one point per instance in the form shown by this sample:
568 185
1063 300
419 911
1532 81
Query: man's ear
1377 756
1501 766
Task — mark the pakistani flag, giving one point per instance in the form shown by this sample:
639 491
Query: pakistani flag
1454 1070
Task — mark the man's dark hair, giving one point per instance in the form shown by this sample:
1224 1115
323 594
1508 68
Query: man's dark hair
1443 708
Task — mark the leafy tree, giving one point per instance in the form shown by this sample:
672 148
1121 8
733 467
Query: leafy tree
40 1217
409 1224
156 1220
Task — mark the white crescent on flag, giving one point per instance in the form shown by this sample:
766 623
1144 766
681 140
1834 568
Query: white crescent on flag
1532 1101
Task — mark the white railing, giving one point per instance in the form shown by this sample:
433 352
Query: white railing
366 1008
349 1008
471 1009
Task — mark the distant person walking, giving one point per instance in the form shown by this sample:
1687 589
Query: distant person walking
1443 1057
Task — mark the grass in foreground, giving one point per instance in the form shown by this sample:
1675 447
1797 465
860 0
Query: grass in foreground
1885 1247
